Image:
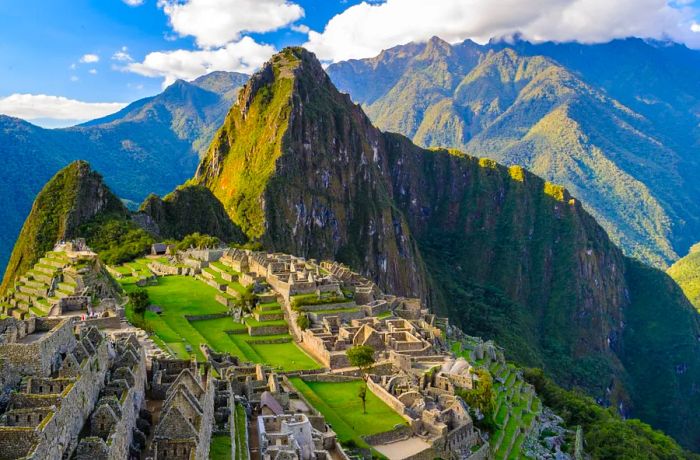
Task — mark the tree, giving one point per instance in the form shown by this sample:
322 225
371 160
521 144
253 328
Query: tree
482 396
363 396
362 357
303 321
246 302
139 300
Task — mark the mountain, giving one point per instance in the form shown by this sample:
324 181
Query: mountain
617 124
74 196
506 255
150 146
686 272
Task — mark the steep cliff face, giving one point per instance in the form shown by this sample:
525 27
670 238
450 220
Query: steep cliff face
615 123
299 166
75 195
505 254
188 209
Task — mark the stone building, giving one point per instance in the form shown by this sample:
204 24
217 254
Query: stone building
187 414
53 375
292 436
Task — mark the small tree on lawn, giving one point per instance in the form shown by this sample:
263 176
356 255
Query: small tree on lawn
362 357
139 300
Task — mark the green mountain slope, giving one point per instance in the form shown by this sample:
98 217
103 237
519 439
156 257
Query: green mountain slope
151 146
74 196
630 164
686 272
505 254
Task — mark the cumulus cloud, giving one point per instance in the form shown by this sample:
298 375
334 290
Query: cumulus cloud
133 2
695 27
244 56
365 29
301 28
217 22
41 106
89 58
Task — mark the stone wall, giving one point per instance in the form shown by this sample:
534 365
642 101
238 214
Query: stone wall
43 350
267 330
60 433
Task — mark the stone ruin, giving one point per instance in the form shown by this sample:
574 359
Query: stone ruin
59 382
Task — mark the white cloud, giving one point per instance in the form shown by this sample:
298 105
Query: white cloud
74 78
244 56
122 55
217 22
89 58
93 71
301 28
133 2
695 27
365 29
41 106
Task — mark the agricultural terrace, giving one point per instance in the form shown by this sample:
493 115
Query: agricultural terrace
181 296
516 407
342 407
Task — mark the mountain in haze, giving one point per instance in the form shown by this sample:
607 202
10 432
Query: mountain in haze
150 146
506 255
617 124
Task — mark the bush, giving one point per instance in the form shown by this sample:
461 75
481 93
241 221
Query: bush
303 322
139 300
199 241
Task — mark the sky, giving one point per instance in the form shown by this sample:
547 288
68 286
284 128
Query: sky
65 61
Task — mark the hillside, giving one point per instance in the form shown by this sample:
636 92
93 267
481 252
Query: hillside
74 196
628 151
686 272
150 146
505 254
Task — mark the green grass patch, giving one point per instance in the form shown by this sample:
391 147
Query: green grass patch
240 433
340 404
220 447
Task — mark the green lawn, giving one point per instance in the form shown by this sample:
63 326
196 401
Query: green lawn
340 404
241 428
220 447
179 296
285 355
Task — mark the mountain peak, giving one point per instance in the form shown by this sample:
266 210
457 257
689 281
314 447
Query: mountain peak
74 196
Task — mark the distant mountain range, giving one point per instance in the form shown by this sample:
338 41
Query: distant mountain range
152 145
618 124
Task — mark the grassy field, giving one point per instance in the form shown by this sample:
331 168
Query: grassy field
340 404
241 428
287 355
179 296
220 447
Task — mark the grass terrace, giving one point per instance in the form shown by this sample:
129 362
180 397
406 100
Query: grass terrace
342 407
220 447
181 296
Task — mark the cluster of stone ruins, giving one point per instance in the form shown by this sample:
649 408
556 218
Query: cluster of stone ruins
71 390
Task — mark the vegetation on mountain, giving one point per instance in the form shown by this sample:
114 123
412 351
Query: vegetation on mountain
150 146
116 239
607 435
686 272
562 118
503 253
188 209
74 196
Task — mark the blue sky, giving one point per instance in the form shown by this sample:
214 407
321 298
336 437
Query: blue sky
67 60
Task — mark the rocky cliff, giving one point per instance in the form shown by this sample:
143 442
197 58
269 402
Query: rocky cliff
507 255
